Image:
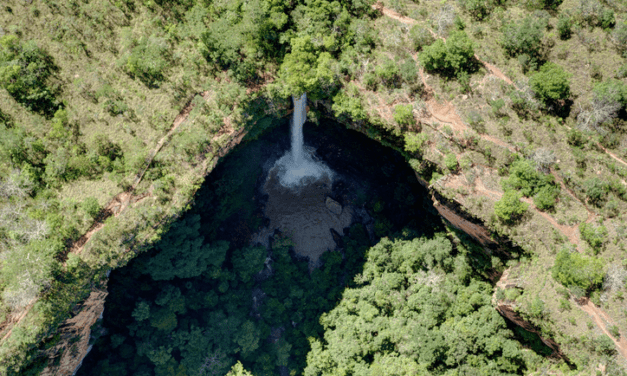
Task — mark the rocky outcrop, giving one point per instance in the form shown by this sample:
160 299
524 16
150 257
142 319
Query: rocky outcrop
333 206
75 334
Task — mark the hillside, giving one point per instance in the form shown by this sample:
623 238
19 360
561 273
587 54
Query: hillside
512 113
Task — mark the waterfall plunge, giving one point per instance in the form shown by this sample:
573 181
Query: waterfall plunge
298 167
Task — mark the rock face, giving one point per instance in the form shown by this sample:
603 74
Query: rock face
334 206
75 333
509 313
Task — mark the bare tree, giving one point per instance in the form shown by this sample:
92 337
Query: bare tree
602 109
544 159
16 185
444 19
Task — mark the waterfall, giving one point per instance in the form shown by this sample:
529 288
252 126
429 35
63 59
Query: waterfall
300 115
298 167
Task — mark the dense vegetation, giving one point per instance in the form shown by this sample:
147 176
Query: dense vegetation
88 88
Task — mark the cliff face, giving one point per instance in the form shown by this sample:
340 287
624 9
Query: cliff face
67 356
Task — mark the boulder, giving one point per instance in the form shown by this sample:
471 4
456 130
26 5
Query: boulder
334 206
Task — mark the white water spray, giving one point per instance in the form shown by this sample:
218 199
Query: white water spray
297 167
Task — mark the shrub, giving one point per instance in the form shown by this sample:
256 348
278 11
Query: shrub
522 103
414 141
574 269
604 345
450 161
564 27
478 9
25 70
420 37
575 138
409 71
146 59
475 120
546 197
370 81
593 13
452 57
91 207
614 331
537 308
403 115
551 83
388 73
596 190
496 106
619 37
542 4
593 235
509 208
611 91
524 37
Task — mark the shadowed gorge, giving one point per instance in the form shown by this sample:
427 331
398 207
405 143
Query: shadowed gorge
226 283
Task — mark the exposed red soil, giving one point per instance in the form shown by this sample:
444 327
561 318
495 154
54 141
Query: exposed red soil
603 320
446 113
114 207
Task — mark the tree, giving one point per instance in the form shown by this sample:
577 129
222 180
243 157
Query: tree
564 25
509 208
403 115
478 9
551 84
452 57
141 311
524 38
25 70
408 314
181 252
248 261
238 370
248 338
146 59
575 269
524 177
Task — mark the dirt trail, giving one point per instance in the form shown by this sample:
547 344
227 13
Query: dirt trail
601 319
493 70
122 200
446 113
611 154
115 206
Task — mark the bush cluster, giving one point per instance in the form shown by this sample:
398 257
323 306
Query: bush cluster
524 38
596 236
524 177
509 208
478 9
25 72
574 269
551 84
451 58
